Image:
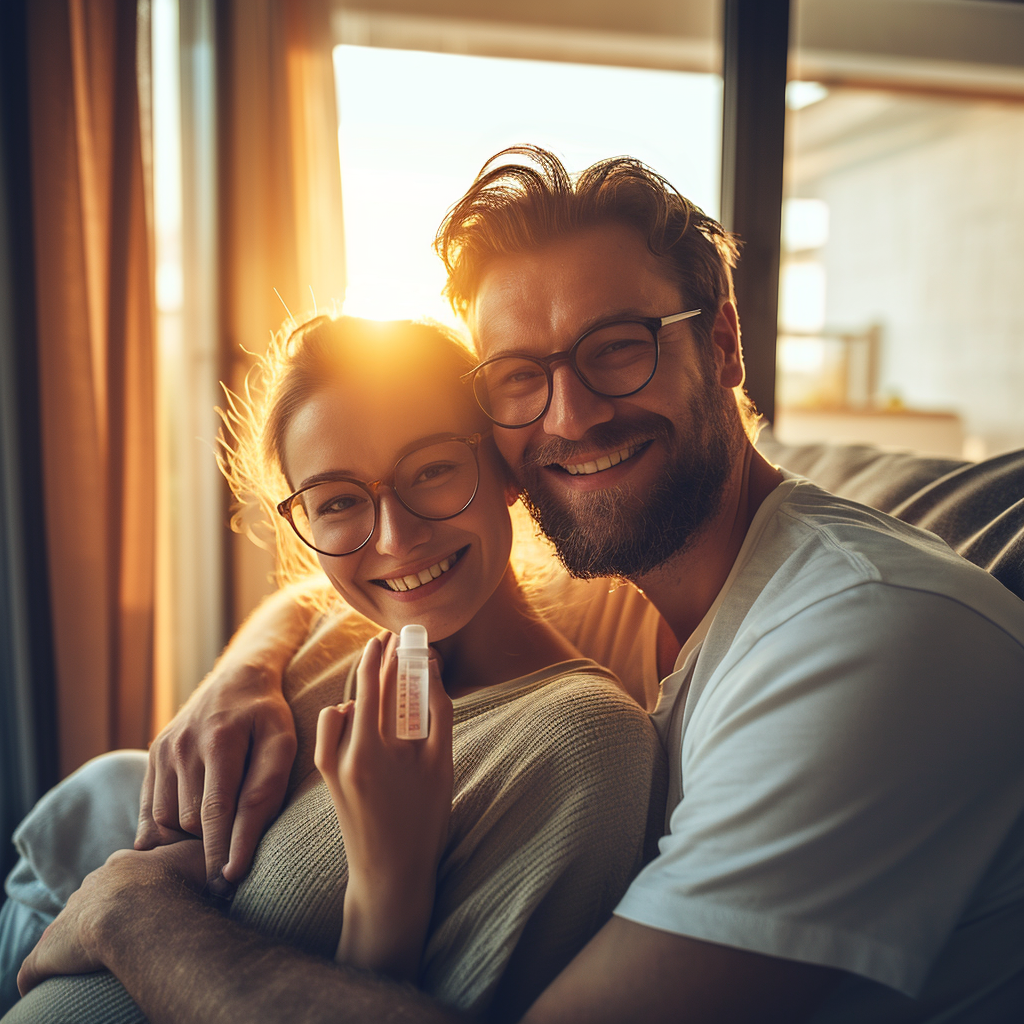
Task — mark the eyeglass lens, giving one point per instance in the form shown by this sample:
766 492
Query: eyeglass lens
436 482
614 360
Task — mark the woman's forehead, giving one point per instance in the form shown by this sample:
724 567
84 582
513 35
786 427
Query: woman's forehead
347 428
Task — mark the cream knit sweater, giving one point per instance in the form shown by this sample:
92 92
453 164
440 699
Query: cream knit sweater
552 816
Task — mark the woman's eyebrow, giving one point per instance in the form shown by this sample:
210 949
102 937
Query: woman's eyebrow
330 474
347 474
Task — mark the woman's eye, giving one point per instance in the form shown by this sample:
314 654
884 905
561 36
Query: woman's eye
341 504
435 472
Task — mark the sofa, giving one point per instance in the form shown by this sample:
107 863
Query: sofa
976 507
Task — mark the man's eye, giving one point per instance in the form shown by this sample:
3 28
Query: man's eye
519 376
620 347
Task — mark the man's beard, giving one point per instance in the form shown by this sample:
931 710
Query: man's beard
616 532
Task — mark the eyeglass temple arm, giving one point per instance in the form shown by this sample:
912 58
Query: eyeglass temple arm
675 318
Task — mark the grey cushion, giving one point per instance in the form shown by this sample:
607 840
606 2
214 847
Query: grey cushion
975 507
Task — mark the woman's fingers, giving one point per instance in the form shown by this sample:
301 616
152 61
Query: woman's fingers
329 727
441 712
367 712
389 690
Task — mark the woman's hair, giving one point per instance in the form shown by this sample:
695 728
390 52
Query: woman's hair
300 362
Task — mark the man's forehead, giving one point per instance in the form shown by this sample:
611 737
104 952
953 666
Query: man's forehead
550 296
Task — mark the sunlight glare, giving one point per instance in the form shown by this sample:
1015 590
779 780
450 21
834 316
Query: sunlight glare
415 128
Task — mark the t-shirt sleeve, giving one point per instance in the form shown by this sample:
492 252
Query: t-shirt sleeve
848 778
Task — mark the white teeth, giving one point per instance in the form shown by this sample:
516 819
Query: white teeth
405 583
604 462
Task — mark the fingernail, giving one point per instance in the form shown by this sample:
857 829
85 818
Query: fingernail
219 887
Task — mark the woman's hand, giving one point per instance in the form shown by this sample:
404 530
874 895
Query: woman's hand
393 800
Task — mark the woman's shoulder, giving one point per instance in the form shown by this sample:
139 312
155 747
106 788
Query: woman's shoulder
575 710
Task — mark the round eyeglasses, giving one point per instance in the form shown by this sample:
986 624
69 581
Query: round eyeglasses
337 514
613 360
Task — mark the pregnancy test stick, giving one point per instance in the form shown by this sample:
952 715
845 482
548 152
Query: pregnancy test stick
413 682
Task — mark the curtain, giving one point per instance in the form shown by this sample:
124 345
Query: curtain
87 209
94 312
28 750
281 194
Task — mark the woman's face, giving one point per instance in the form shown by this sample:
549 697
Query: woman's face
346 429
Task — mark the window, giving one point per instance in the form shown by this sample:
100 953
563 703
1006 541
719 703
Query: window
415 128
901 316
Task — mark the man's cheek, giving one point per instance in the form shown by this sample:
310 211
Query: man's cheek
511 445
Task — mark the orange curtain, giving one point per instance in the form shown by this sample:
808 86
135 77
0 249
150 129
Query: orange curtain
281 185
96 362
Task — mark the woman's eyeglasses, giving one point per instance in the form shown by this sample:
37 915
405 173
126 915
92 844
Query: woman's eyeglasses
337 515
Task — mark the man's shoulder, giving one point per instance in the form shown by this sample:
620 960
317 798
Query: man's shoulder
817 545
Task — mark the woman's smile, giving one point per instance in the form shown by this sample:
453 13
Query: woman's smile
437 572
418 579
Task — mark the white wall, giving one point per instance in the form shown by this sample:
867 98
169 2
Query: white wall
926 210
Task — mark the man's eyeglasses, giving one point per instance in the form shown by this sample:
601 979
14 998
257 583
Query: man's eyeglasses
337 516
614 360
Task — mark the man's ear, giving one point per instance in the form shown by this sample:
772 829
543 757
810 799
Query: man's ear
725 334
511 491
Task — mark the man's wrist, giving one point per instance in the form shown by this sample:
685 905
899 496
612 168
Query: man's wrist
137 894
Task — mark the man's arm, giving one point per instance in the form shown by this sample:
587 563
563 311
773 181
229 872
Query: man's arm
220 768
630 973
182 960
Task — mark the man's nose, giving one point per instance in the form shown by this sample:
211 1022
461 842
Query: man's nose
574 408
398 530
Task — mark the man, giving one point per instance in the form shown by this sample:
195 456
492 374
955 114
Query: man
843 694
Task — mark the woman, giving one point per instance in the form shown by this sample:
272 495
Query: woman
395 489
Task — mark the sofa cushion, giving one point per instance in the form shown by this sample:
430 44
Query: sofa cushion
976 507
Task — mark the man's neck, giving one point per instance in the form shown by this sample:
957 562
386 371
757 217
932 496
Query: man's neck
685 587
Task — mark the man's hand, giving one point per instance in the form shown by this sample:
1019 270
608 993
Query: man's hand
71 944
220 769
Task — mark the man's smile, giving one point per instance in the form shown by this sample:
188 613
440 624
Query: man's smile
599 465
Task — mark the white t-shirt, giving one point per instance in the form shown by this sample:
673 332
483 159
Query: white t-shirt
848 766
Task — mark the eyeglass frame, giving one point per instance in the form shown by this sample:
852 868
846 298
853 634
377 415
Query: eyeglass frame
653 323
284 508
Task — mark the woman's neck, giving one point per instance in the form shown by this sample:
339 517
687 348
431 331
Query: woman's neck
506 639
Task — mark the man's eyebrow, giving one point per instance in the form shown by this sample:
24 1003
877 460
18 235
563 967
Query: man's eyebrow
331 475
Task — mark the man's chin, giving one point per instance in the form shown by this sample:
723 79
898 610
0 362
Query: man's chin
615 532
613 535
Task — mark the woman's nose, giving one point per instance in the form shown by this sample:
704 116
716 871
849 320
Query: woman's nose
398 530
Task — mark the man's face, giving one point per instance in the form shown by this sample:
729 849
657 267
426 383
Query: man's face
619 484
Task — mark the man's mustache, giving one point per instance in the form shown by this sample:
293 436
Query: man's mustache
604 436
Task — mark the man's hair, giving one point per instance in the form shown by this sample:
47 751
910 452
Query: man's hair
515 208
